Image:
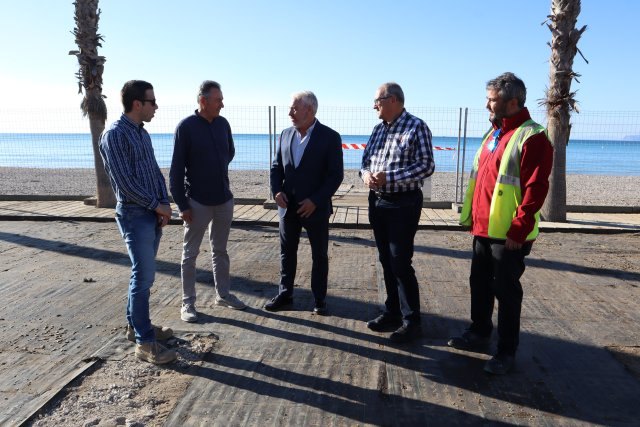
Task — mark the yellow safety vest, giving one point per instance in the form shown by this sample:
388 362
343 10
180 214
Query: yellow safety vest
507 194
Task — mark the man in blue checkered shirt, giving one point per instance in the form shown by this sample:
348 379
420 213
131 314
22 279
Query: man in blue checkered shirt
397 159
142 210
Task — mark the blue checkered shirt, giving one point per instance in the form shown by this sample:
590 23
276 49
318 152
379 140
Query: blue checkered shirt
131 165
402 149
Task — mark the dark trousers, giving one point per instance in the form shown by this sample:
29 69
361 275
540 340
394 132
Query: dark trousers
317 228
495 274
394 219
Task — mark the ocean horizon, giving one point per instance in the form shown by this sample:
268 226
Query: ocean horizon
73 150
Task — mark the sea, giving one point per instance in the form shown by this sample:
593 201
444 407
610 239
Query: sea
255 151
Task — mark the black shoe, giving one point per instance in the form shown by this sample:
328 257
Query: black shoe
406 333
384 323
278 303
499 364
470 341
320 308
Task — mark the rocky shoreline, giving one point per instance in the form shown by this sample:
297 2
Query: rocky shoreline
592 190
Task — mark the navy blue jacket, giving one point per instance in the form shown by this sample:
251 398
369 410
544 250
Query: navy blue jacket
319 173
202 152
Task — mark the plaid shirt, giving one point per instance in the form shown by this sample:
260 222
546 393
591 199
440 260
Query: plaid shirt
402 149
131 165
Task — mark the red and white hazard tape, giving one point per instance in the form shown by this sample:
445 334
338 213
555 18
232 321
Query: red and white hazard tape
362 146
353 146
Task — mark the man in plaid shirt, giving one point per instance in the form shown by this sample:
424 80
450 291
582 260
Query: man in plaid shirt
397 159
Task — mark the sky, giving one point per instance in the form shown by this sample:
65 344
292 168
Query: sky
441 52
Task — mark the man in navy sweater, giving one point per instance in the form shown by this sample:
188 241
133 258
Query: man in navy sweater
199 183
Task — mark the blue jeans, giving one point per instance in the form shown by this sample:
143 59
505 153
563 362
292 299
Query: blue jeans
141 232
394 220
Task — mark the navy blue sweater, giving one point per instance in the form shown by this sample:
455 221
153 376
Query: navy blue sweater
202 152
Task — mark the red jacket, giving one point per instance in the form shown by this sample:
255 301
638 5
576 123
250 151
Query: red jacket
535 167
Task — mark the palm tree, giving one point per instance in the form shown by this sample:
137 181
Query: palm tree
559 100
87 15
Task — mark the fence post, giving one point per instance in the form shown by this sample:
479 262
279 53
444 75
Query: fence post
426 189
270 138
275 135
458 155
275 144
271 151
464 152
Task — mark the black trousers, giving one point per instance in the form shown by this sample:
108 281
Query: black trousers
495 274
317 228
394 219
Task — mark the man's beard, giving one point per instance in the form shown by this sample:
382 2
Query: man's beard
496 117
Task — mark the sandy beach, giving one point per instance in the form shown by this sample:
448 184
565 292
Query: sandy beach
581 189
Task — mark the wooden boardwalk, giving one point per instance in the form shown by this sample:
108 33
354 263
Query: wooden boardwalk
351 213
64 290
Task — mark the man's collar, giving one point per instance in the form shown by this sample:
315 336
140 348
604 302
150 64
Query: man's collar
516 120
310 128
130 122
197 113
389 124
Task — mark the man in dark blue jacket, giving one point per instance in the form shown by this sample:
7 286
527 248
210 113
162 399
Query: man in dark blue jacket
305 174
199 183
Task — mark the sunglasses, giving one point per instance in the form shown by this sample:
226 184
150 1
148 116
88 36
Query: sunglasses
152 101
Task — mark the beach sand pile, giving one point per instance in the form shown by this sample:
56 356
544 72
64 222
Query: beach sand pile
590 190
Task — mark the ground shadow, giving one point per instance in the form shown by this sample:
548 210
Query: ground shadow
552 376
561 376
362 405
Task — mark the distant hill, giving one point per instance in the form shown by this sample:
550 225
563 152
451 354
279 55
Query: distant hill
631 138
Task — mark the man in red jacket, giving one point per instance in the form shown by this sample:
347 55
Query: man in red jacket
508 185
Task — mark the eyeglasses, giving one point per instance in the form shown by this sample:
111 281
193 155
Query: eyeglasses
377 101
152 101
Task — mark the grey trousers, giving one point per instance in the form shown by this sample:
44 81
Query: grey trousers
218 219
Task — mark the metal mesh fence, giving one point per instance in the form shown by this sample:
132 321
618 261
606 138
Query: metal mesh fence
601 143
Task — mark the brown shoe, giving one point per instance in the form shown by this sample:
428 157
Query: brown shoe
155 352
163 333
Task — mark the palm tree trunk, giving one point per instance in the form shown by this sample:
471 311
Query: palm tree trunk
87 16
105 196
555 206
560 100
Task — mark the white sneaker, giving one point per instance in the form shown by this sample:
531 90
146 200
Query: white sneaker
188 313
230 301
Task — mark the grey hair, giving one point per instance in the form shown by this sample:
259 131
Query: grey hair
509 86
394 89
206 86
308 98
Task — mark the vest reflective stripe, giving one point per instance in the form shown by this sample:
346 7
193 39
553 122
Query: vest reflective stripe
507 194
509 180
465 214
